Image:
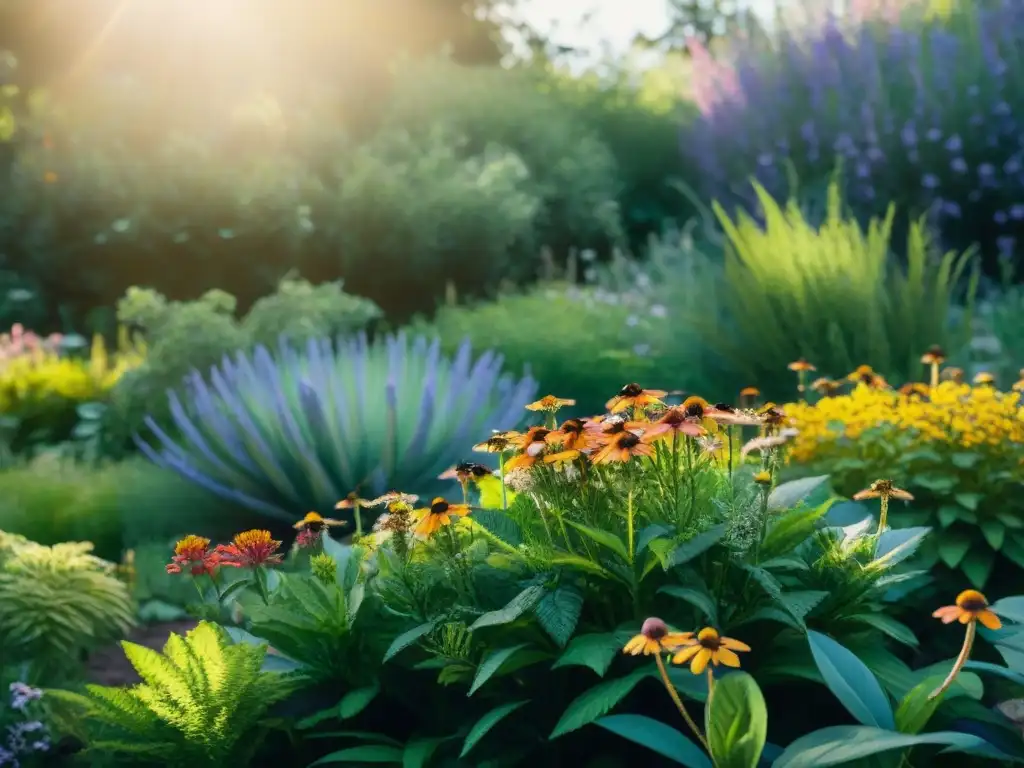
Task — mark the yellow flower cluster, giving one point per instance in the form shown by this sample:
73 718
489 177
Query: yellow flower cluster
950 414
39 377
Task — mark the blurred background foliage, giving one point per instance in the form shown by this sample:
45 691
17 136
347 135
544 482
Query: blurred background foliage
462 176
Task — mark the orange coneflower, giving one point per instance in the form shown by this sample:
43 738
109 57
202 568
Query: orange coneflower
532 446
749 395
550 403
560 459
393 497
193 553
499 442
314 522
916 389
971 608
709 647
984 379
866 375
636 397
655 638
883 490
801 366
623 447
672 423
571 435
825 386
250 549
465 471
934 357
439 514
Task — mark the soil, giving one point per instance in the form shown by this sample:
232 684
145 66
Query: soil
109 666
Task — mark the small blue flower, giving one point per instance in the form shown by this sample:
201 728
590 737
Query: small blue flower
765 159
1017 212
909 135
1002 109
954 144
951 209
959 165
930 181
934 134
999 217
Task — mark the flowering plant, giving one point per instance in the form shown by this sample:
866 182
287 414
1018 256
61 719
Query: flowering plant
958 448
24 737
919 112
650 509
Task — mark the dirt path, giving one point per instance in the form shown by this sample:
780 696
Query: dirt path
109 666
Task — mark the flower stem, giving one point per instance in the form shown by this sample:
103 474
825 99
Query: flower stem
501 476
883 513
711 683
679 703
358 519
965 654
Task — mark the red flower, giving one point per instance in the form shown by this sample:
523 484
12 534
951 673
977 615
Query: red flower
308 538
193 553
250 549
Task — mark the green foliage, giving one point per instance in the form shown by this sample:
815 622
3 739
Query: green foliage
113 505
832 295
196 335
200 702
57 602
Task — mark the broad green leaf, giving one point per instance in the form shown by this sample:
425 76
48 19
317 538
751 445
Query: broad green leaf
896 545
370 753
558 613
1010 520
940 484
965 460
515 608
406 639
596 651
842 744
482 726
1011 608
977 565
736 721
799 603
698 545
606 539
917 707
969 500
597 701
698 598
354 702
582 564
953 545
792 529
499 525
491 663
649 534
418 752
788 495
657 737
896 630
851 681
948 515
994 533
995 669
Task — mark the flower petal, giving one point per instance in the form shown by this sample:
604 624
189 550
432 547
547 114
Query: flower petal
635 646
686 654
700 661
734 645
724 656
989 619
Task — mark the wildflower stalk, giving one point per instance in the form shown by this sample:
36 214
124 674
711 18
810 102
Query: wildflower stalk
501 476
692 480
358 518
679 702
958 665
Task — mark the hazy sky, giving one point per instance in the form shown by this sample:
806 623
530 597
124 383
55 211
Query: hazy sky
613 21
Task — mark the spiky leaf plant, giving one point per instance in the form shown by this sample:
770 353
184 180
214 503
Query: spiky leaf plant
296 429
57 602
200 703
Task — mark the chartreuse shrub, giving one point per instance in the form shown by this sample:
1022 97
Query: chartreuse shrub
200 703
48 394
920 112
831 293
957 448
517 625
288 429
56 603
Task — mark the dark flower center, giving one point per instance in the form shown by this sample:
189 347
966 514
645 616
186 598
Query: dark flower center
572 426
712 643
673 416
629 440
439 507
725 407
315 526
974 605
631 390
615 428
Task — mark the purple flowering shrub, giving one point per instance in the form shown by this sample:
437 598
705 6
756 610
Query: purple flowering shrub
24 738
922 112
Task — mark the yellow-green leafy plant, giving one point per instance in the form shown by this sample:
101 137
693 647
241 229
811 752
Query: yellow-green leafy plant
200 703
833 293
957 448
57 602
45 392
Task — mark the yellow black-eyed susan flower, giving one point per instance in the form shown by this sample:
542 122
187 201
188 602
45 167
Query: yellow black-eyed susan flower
315 523
672 423
636 397
466 471
655 638
439 514
392 497
984 379
571 435
499 442
764 477
709 647
550 404
970 606
935 355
